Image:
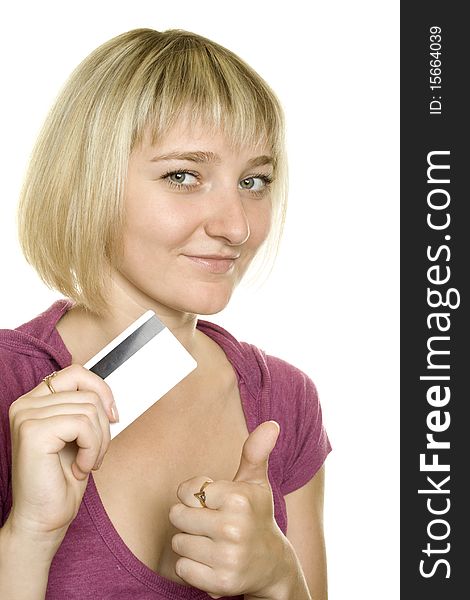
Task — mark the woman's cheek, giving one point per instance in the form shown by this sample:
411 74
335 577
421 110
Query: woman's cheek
260 223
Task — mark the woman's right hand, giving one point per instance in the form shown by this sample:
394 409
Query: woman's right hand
57 439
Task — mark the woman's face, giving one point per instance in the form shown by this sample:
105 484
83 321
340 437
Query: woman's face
196 212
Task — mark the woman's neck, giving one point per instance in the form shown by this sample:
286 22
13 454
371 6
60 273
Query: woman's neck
85 333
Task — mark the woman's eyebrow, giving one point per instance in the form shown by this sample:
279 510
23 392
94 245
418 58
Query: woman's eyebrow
260 161
197 156
210 157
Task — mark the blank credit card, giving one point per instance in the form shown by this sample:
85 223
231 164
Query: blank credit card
140 366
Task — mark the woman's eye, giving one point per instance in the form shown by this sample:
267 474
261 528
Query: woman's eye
181 178
254 184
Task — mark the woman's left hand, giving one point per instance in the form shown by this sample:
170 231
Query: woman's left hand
233 546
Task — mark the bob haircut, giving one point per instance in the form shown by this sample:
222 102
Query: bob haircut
70 212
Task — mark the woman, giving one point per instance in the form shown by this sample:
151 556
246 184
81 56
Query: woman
158 176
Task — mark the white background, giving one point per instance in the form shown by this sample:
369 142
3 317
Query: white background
331 304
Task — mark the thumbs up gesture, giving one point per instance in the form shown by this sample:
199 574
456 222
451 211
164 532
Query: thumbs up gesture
230 543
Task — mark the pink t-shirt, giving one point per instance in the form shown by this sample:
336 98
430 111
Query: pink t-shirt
93 562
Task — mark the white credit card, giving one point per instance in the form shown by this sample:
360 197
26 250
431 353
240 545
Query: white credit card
140 366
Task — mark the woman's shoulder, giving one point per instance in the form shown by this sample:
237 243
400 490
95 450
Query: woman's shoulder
287 374
28 352
20 368
303 443
288 396
260 370
279 391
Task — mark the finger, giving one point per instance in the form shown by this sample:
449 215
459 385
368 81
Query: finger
89 445
217 494
186 491
76 378
93 410
196 547
202 577
86 402
58 430
195 521
255 453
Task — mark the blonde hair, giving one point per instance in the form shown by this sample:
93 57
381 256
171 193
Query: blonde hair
70 214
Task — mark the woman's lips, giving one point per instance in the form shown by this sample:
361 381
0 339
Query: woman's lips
213 264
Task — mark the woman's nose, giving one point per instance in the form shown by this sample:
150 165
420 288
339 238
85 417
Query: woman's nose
227 218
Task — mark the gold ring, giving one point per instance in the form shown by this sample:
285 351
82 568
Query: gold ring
201 495
47 381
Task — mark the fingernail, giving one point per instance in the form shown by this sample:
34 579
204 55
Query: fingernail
115 413
98 464
79 474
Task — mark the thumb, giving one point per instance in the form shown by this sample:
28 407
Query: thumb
255 454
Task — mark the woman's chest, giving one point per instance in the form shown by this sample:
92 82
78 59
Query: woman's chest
142 470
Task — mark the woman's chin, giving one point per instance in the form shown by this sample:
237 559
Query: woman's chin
194 297
206 308
207 303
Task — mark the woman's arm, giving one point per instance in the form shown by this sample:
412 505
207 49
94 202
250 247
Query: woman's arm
49 478
233 545
24 564
305 532
302 573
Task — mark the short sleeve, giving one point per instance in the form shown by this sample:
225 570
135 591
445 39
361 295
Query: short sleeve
15 379
6 398
304 443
